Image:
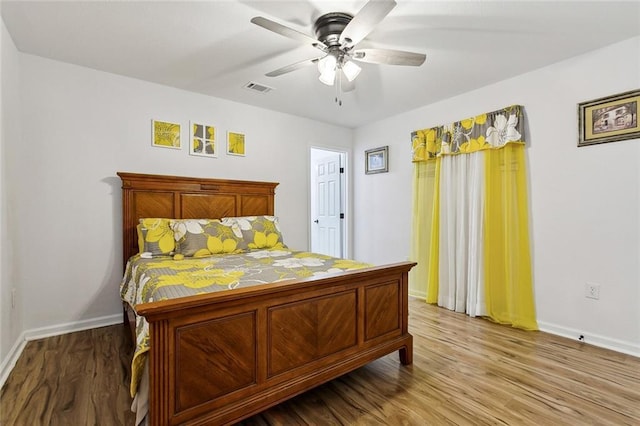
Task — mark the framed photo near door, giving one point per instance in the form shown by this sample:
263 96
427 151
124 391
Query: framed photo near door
376 160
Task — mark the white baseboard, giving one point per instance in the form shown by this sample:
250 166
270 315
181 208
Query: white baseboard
70 327
593 339
418 294
55 330
12 357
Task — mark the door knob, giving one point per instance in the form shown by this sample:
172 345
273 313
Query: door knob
315 221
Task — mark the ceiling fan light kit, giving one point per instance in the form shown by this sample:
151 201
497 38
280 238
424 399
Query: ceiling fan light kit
327 68
337 35
332 64
351 70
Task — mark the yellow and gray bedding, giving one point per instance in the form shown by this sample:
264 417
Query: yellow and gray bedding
181 258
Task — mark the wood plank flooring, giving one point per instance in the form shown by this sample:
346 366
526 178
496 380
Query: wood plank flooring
74 379
466 371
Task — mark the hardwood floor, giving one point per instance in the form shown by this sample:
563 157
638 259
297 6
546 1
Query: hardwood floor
466 371
74 379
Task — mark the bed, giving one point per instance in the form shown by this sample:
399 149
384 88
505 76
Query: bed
217 358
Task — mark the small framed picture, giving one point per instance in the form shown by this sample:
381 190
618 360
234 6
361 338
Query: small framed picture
165 134
202 140
376 160
609 119
236 144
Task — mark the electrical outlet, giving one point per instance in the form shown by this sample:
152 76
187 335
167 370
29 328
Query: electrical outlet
592 291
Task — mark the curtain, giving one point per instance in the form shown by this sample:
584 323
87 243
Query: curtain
423 178
470 218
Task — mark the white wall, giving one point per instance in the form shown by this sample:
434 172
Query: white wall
79 127
585 202
10 318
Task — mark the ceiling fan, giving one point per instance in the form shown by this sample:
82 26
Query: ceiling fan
337 35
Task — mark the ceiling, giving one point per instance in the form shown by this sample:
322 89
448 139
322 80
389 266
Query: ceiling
212 48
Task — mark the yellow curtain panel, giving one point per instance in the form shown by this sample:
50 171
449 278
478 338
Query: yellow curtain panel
470 217
509 295
424 183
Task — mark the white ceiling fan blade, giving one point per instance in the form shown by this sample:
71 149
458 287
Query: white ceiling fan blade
365 21
292 67
287 32
389 57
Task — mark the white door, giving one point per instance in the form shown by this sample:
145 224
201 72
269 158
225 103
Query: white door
326 226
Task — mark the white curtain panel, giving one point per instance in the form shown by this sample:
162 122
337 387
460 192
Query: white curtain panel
461 244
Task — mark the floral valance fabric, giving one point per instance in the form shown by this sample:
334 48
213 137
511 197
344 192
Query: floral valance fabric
491 130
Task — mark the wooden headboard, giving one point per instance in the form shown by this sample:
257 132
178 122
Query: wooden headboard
187 198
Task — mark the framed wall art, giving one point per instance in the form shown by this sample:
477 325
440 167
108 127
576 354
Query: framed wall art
202 140
236 144
376 160
609 119
165 134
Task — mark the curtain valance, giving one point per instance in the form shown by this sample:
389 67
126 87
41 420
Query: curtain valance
492 130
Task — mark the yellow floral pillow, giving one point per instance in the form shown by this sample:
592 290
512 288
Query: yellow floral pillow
204 237
259 232
155 237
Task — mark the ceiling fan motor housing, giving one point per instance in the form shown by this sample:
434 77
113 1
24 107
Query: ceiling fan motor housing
329 26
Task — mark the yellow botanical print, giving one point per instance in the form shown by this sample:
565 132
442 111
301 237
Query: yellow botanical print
432 142
166 134
171 264
200 279
467 124
491 130
474 145
481 119
235 143
214 227
470 123
303 254
202 253
418 146
349 264
217 245
269 226
265 240
159 232
304 273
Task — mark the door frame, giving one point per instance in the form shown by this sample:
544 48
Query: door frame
345 190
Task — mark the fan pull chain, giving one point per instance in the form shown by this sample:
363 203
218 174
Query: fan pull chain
339 88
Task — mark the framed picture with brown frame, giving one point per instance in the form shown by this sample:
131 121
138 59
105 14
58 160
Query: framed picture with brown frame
609 119
376 160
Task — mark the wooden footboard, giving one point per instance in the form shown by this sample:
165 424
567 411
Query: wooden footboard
222 357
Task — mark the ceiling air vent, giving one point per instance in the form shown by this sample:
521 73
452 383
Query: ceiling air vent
256 87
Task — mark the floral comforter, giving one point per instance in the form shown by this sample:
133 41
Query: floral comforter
161 278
